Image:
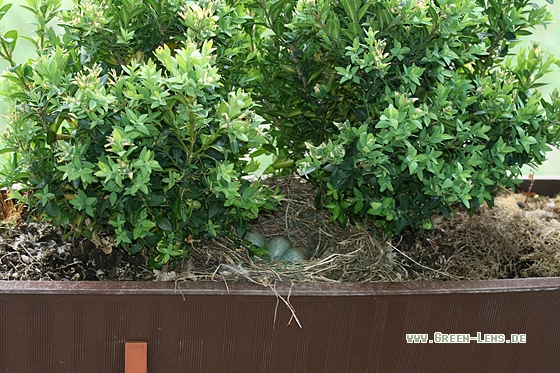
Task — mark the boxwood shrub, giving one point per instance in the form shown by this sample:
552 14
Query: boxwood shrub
124 123
400 110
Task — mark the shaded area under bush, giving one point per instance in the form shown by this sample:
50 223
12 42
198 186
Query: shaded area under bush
499 243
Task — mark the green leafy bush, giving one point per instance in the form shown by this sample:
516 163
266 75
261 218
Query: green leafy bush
143 118
403 109
123 122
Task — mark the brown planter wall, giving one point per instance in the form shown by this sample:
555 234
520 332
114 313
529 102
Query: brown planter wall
543 185
208 327
201 327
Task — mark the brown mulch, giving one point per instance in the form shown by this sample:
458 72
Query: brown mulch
504 242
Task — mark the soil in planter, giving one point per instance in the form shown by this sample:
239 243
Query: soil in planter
504 242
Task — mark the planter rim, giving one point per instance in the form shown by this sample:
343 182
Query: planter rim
540 177
308 289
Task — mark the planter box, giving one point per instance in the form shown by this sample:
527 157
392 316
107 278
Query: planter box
508 326
543 185
203 327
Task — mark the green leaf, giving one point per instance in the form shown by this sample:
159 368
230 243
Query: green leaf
164 224
448 183
136 248
278 28
137 232
412 166
275 9
332 28
52 209
156 200
363 10
283 162
4 10
350 10
358 206
113 198
10 38
270 148
86 233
